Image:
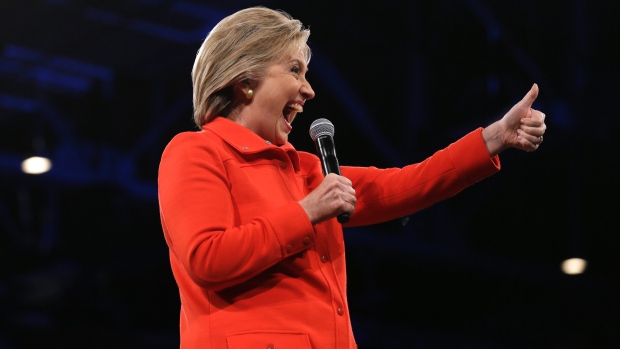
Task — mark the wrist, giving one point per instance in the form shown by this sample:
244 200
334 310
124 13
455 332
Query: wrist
493 138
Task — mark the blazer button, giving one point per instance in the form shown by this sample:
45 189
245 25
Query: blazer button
271 346
289 248
307 241
340 311
283 165
324 259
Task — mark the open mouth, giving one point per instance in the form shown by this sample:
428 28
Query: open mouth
290 111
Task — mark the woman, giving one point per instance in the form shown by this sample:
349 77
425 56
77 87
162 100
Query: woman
255 247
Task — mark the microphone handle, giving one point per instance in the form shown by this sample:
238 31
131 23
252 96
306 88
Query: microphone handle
326 149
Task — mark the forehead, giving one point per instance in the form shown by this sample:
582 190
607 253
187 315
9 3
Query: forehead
299 51
297 55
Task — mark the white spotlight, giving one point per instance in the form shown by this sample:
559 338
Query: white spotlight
36 165
574 266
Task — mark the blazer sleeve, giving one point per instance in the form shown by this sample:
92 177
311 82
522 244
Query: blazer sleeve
198 218
385 194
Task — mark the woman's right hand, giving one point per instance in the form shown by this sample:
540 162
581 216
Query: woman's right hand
333 196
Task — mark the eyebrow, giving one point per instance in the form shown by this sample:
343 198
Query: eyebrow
301 63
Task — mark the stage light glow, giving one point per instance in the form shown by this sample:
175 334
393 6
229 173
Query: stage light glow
36 165
574 266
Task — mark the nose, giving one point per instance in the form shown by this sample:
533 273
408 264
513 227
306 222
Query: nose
306 91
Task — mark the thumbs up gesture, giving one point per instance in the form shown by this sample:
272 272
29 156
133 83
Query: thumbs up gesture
522 127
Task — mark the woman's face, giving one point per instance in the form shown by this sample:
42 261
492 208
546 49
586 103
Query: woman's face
278 97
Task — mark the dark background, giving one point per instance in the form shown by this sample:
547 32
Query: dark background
102 86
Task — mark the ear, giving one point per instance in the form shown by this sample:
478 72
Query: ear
245 89
240 89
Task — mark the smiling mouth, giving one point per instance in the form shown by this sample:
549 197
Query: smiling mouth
291 110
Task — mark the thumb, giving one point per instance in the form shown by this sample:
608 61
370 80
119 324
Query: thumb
530 97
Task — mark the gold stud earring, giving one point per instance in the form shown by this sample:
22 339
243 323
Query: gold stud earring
249 94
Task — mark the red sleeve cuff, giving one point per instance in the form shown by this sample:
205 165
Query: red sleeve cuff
292 227
471 158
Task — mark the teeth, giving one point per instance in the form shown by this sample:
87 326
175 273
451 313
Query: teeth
295 107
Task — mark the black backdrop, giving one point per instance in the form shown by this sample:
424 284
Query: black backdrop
102 86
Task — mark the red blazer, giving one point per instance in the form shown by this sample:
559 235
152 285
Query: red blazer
252 270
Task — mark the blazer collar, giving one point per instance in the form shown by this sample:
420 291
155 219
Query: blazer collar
246 141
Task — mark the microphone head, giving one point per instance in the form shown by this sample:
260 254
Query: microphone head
321 127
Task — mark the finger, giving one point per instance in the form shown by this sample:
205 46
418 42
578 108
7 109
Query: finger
351 201
350 196
332 176
334 181
344 180
534 130
347 189
530 96
535 115
527 145
533 140
530 122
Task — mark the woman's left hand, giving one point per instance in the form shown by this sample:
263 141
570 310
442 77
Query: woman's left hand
522 127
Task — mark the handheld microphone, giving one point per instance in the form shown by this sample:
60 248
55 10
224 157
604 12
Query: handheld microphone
322 133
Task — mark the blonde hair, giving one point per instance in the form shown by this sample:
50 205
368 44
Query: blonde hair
241 46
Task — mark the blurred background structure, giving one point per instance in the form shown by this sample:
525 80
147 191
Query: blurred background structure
100 87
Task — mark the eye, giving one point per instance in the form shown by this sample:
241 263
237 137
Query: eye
295 69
